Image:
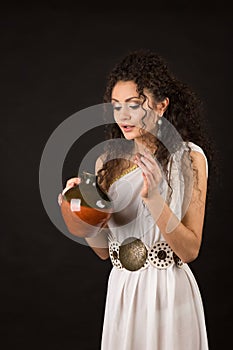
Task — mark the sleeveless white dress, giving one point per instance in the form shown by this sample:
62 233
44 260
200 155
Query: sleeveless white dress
151 308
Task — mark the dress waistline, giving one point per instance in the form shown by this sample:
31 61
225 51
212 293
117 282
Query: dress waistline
133 255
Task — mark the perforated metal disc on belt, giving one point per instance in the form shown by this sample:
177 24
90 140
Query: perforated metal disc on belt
161 255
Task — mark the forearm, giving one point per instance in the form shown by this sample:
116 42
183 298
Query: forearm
183 241
99 243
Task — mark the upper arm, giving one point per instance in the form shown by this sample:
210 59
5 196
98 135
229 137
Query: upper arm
195 195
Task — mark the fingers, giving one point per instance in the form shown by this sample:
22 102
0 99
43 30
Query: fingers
142 163
145 161
73 182
146 164
145 188
149 179
69 184
151 173
150 164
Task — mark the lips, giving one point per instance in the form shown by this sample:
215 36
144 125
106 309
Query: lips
127 127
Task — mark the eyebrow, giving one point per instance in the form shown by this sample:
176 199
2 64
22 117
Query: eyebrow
128 99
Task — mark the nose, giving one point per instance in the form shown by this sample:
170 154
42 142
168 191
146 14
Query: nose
123 114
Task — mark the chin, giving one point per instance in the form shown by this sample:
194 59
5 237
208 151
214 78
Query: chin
129 137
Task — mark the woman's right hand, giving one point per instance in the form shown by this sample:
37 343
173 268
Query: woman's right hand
77 224
72 221
74 181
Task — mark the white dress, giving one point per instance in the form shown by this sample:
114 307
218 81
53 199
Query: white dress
151 308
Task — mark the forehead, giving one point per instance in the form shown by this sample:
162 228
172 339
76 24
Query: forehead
124 90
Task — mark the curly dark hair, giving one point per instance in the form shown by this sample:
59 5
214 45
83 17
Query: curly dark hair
185 111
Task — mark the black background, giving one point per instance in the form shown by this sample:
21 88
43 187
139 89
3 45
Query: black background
55 59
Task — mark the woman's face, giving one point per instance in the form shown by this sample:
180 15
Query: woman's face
134 117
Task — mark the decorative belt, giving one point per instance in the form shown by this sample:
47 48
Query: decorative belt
133 255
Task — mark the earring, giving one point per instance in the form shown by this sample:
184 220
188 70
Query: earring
159 122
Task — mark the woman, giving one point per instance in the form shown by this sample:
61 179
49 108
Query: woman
157 178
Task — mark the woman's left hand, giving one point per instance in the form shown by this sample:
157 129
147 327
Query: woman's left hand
151 173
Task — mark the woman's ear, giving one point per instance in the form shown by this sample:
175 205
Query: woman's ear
162 106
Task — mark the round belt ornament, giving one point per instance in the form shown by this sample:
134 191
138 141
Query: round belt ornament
133 254
161 255
178 261
114 254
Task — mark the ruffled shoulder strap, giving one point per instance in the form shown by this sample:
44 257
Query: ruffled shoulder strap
195 147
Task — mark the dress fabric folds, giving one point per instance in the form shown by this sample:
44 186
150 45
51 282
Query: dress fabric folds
151 308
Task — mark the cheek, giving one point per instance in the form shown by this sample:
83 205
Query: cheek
140 118
116 116
148 121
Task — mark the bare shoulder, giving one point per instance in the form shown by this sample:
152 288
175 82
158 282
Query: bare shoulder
195 175
199 158
199 163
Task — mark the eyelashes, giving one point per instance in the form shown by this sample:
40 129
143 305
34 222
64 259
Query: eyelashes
116 108
133 107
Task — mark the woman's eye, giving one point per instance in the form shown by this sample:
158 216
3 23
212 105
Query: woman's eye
116 108
134 106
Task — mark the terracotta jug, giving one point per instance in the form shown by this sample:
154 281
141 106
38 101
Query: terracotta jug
86 208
